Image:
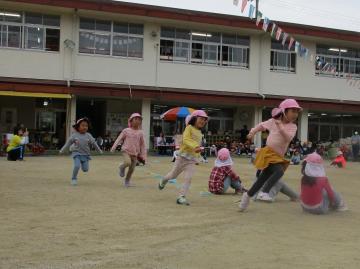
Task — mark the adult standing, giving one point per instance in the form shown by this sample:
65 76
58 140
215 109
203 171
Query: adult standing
355 142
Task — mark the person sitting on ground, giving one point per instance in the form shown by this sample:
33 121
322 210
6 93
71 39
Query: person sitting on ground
16 148
317 196
295 159
222 175
339 161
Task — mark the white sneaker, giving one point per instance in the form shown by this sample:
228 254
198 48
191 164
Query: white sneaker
342 207
182 201
245 200
265 197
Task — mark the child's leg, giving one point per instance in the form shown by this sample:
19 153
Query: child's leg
84 164
126 163
235 184
227 184
176 170
260 181
288 191
131 169
276 172
14 154
77 164
189 168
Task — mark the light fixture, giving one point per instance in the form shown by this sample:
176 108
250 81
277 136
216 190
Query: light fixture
323 114
10 14
201 34
337 50
343 50
69 44
46 103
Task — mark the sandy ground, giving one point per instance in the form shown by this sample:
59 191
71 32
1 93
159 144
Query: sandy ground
47 223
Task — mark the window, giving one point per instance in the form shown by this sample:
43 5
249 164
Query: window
30 31
179 45
345 60
111 38
281 58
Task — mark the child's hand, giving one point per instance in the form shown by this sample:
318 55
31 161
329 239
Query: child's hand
198 150
250 136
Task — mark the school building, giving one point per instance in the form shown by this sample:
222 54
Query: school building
61 60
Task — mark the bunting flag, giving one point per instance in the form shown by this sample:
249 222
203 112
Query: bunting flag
243 5
236 2
291 42
278 33
273 29
266 24
258 18
251 11
297 46
285 36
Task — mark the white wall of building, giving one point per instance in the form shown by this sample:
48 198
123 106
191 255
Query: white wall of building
151 72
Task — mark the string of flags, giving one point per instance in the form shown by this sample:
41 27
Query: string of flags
290 42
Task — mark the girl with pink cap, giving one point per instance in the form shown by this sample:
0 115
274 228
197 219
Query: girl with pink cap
133 148
317 196
270 159
222 175
188 155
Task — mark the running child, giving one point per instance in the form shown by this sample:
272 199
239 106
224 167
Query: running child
270 159
189 154
133 148
79 145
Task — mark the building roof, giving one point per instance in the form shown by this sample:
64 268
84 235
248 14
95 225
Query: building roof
164 12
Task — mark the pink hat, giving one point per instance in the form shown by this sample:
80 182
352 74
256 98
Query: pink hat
289 103
276 112
223 154
187 119
199 113
134 115
314 158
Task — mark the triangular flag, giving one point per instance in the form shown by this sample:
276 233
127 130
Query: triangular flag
243 5
291 42
297 46
266 24
273 29
236 2
251 11
285 36
258 18
278 33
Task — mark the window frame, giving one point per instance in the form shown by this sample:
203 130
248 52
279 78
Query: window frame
24 26
285 52
112 34
220 46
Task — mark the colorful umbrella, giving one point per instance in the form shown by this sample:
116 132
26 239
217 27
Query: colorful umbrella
177 112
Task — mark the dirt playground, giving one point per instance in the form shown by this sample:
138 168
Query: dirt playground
47 223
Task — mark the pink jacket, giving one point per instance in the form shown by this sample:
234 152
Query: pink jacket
133 142
280 134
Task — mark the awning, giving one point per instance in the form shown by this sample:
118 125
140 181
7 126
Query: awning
36 94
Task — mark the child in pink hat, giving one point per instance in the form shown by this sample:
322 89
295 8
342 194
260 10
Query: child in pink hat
188 154
317 196
223 176
270 159
339 161
132 143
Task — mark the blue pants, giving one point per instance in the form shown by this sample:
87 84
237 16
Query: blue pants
16 154
236 185
80 161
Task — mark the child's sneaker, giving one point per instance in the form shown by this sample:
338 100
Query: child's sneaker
121 172
127 183
182 201
240 191
342 207
245 200
265 197
74 182
162 184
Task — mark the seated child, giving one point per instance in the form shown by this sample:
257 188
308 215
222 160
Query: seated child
339 161
295 159
15 149
222 176
317 195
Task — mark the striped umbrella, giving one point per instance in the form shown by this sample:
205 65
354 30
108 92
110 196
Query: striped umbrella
177 112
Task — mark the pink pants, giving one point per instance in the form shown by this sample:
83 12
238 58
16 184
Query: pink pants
182 165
